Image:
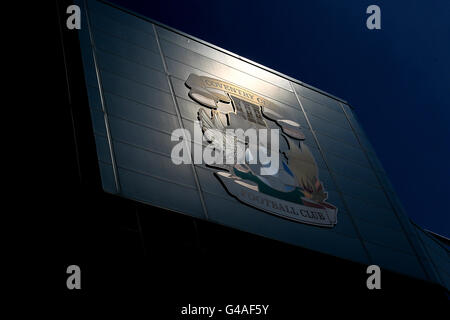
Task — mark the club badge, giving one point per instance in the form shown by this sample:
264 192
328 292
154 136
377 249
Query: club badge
292 191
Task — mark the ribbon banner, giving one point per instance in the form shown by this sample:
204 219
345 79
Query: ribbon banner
315 213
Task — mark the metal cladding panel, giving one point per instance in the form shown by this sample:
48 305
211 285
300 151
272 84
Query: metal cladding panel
141 81
437 254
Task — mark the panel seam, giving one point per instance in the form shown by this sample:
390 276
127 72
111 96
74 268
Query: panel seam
429 257
102 98
333 178
387 196
180 122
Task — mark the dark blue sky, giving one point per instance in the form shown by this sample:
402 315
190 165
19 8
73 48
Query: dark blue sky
397 78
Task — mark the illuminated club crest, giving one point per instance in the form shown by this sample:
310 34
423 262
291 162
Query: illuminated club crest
294 190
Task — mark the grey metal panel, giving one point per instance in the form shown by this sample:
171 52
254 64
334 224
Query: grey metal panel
435 274
127 50
190 126
210 183
98 121
251 220
376 215
443 264
120 32
107 176
293 115
180 88
148 189
321 111
325 178
310 142
352 169
384 236
132 71
396 204
224 58
369 148
189 110
94 98
364 140
446 279
395 260
434 248
287 112
140 136
137 92
422 252
96 7
336 132
85 41
88 59
439 256
153 164
102 147
224 72
366 145
344 150
345 225
91 78
87 55
375 162
92 85
317 97
363 191
335 198
353 119
141 114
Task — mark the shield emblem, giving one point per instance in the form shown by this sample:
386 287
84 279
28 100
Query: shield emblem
294 191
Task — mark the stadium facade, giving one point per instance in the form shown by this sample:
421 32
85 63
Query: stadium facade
144 80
